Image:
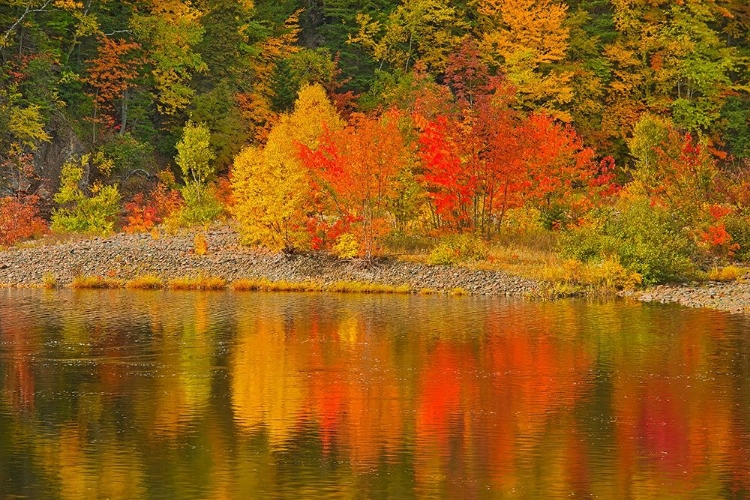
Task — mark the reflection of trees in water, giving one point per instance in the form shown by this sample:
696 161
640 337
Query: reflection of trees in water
117 394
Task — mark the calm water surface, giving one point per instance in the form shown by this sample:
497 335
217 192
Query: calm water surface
217 395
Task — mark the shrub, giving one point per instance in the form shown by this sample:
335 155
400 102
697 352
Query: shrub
346 246
79 213
645 239
145 213
739 228
200 244
201 204
458 248
728 273
19 220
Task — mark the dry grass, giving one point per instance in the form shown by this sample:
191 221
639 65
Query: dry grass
364 287
266 285
146 282
49 281
198 283
94 282
728 273
458 292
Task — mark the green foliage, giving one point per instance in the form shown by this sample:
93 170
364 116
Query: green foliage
82 213
194 153
739 227
201 204
458 248
129 154
645 239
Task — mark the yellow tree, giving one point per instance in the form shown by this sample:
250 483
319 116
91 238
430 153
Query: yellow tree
418 30
170 31
526 38
271 186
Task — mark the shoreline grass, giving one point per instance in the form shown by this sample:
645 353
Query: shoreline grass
200 283
145 282
95 282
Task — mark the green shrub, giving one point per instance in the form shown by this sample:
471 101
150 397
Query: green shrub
458 248
739 228
80 213
201 204
645 239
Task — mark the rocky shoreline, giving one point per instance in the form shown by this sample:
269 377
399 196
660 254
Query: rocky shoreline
732 297
127 256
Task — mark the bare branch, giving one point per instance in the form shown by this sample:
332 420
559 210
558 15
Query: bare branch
28 11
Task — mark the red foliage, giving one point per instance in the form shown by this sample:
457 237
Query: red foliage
353 172
449 185
19 219
143 215
716 236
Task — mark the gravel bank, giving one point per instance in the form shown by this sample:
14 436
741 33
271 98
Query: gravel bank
731 296
125 256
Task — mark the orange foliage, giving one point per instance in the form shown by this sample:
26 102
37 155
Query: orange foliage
144 214
111 73
356 167
19 219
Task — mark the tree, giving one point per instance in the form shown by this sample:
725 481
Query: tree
358 167
525 38
194 153
170 31
79 212
418 30
271 186
111 74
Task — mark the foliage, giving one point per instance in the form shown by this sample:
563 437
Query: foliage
200 244
194 154
79 212
201 205
144 214
459 248
19 220
645 238
356 169
346 246
271 186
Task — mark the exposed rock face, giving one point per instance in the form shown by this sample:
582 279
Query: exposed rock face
126 256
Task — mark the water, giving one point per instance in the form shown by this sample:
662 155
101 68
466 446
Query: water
113 394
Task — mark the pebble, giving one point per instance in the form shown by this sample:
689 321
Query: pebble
126 256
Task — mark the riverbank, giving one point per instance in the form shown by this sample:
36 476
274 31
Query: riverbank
733 296
170 257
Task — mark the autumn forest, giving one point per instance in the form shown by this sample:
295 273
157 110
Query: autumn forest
618 132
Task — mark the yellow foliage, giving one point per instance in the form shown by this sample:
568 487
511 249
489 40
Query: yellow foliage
419 30
728 273
523 36
200 244
270 185
346 246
